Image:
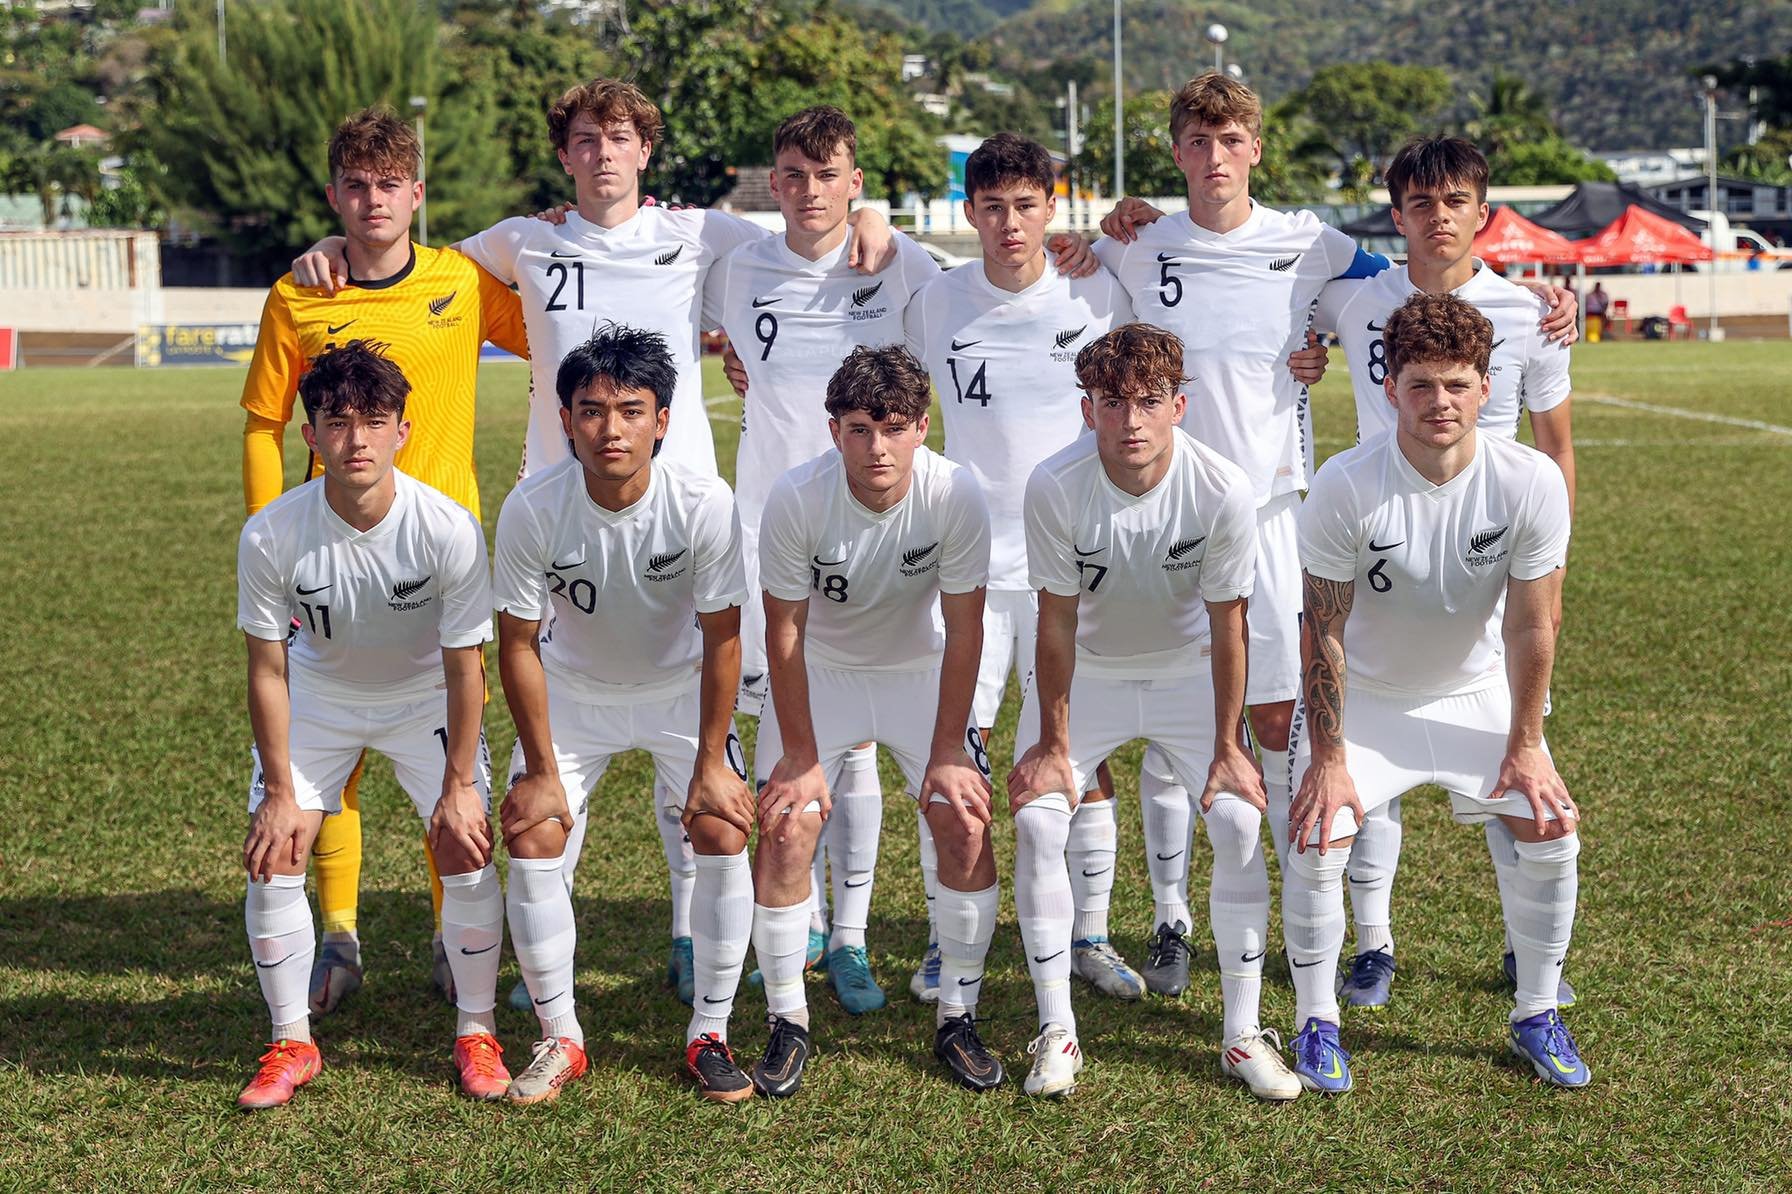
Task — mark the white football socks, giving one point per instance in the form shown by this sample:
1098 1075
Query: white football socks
283 943
967 923
1090 853
1374 856
1164 811
681 865
818 880
1313 928
1238 906
1043 904
781 943
542 932
1276 781
1539 912
930 874
721 926
472 931
852 847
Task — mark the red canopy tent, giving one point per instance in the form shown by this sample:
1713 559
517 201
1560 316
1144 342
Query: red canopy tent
1510 239
1640 237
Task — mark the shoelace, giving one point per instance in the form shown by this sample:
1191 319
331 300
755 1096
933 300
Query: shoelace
482 1053
1166 947
541 1050
1044 1040
274 1061
966 1026
710 1045
1557 1040
1368 969
1313 1045
782 1031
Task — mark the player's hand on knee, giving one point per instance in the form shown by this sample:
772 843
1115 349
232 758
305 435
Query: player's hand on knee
733 370
460 824
1037 772
1308 364
717 791
1128 216
276 837
533 799
794 785
323 266
1324 790
1235 770
1071 255
957 780
1531 773
555 215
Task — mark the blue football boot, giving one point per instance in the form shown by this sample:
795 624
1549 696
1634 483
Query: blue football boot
1320 1062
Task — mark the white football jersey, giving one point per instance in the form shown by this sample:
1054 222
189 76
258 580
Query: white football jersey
1239 302
375 607
1527 371
1004 364
872 580
792 321
647 272
622 587
1142 568
1431 562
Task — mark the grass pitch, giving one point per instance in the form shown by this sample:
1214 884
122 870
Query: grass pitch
128 1018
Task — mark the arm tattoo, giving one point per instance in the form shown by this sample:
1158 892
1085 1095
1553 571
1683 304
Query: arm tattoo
1327 604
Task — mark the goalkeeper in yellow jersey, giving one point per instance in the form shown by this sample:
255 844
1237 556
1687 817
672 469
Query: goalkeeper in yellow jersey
433 308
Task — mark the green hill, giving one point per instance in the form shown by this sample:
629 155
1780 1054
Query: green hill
1615 73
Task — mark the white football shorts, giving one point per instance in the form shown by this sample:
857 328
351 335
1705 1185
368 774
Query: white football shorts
1010 626
1273 613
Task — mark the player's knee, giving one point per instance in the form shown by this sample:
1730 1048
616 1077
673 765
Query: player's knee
790 851
712 835
1234 827
1321 872
1269 725
453 858
544 840
1551 859
957 845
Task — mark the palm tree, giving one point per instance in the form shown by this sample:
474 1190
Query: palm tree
1511 113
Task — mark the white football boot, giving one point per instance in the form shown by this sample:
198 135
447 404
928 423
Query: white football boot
1255 1059
1057 1060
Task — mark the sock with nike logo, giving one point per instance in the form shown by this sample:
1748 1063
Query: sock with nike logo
1043 905
1164 811
1374 855
1090 852
1313 928
967 923
472 931
721 926
544 935
680 862
1238 907
1540 903
781 943
283 942
852 847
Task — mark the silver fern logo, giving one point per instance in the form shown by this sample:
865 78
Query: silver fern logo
865 294
665 560
1069 336
668 258
1183 546
404 591
1486 548
439 305
1175 560
917 560
1283 264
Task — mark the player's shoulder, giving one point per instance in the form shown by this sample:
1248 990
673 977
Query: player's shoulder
1488 290
1351 470
690 486
818 472
1077 458
275 522
1209 465
1516 460
424 501
546 486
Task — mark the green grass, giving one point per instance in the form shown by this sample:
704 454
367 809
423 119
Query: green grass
128 1018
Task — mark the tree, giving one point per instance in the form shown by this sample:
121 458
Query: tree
1509 114
1765 160
1296 163
55 173
1145 131
243 140
1544 163
1368 108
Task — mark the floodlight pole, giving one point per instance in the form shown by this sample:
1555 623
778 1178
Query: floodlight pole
220 31
1119 113
419 105
1710 82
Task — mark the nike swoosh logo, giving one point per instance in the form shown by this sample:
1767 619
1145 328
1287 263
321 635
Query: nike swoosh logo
711 999
558 566
1374 546
1091 874
1337 1071
758 303
1079 551
821 563
549 999
1043 961
271 965
1553 1060
1168 258
1250 957
850 884
333 328
558 253
1303 966
1376 327
304 592
958 347
1169 857
472 953
970 982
